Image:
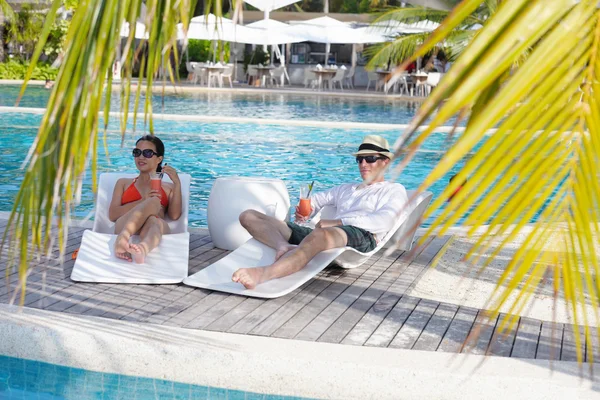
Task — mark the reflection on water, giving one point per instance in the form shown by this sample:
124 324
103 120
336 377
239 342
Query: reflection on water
251 105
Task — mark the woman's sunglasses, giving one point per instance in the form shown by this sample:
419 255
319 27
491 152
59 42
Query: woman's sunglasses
148 153
368 159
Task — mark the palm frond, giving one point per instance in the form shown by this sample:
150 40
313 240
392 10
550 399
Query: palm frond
530 77
68 131
7 10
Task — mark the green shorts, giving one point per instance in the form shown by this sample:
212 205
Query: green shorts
358 238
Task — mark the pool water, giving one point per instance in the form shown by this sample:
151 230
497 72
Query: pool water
206 151
28 380
251 105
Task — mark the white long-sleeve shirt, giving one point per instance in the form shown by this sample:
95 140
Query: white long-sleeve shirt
374 208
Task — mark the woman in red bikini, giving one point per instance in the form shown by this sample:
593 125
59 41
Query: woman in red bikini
136 208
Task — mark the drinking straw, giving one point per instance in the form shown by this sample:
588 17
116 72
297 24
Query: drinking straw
310 187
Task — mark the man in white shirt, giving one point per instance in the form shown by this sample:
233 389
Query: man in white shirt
365 212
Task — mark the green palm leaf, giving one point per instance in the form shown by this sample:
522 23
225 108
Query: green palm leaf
68 131
530 78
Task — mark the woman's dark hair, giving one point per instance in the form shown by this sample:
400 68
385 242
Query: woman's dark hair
160 147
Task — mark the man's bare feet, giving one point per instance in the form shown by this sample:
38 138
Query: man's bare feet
122 247
249 277
138 252
283 250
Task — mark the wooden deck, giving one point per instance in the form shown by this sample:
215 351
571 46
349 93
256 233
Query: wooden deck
366 306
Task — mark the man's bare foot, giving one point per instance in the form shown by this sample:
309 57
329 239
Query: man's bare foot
138 252
282 250
122 247
249 277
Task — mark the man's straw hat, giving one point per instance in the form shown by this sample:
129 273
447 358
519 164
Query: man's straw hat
374 144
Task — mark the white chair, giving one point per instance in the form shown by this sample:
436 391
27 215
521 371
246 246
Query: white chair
310 78
338 78
199 73
96 262
421 87
401 85
373 77
227 73
251 74
433 79
190 70
277 74
348 78
255 254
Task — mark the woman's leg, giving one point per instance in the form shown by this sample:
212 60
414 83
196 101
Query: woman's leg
150 234
131 222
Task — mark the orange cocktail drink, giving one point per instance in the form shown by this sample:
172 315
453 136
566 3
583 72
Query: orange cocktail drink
304 207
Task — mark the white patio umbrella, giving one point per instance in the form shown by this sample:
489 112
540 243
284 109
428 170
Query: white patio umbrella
331 31
394 28
270 5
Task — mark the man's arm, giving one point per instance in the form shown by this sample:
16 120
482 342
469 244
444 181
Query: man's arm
385 217
322 199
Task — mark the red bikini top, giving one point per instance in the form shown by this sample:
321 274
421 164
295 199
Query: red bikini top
131 194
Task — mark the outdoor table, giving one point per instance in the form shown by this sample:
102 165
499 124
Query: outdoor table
419 77
262 73
215 68
327 73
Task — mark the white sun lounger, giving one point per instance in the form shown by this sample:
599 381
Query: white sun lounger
96 261
252 254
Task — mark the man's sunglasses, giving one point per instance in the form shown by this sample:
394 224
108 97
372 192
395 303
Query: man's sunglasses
368 159
148 153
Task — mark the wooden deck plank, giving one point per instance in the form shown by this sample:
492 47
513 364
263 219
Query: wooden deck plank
501 343
348 320
481 334
458 331
550 343
300 314
331 313
408 335
569 345
396 318
411 265
526 340
436 328
294 326
593 347
215 312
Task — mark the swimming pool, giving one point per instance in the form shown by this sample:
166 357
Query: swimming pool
296 154
27 380
252 105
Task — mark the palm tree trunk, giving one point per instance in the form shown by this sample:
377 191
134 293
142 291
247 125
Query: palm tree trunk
326 6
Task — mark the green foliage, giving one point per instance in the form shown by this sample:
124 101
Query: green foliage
17 70
56 40
202 50
25 27
258 56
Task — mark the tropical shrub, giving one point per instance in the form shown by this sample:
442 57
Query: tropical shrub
17 70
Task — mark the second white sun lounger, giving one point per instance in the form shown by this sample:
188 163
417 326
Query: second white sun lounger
96 261
253 254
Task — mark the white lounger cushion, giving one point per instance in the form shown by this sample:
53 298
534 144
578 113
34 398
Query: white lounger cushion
96 262
166 264
253 254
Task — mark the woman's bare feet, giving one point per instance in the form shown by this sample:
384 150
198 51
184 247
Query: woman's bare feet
249 277
283 250
138 252
122 247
